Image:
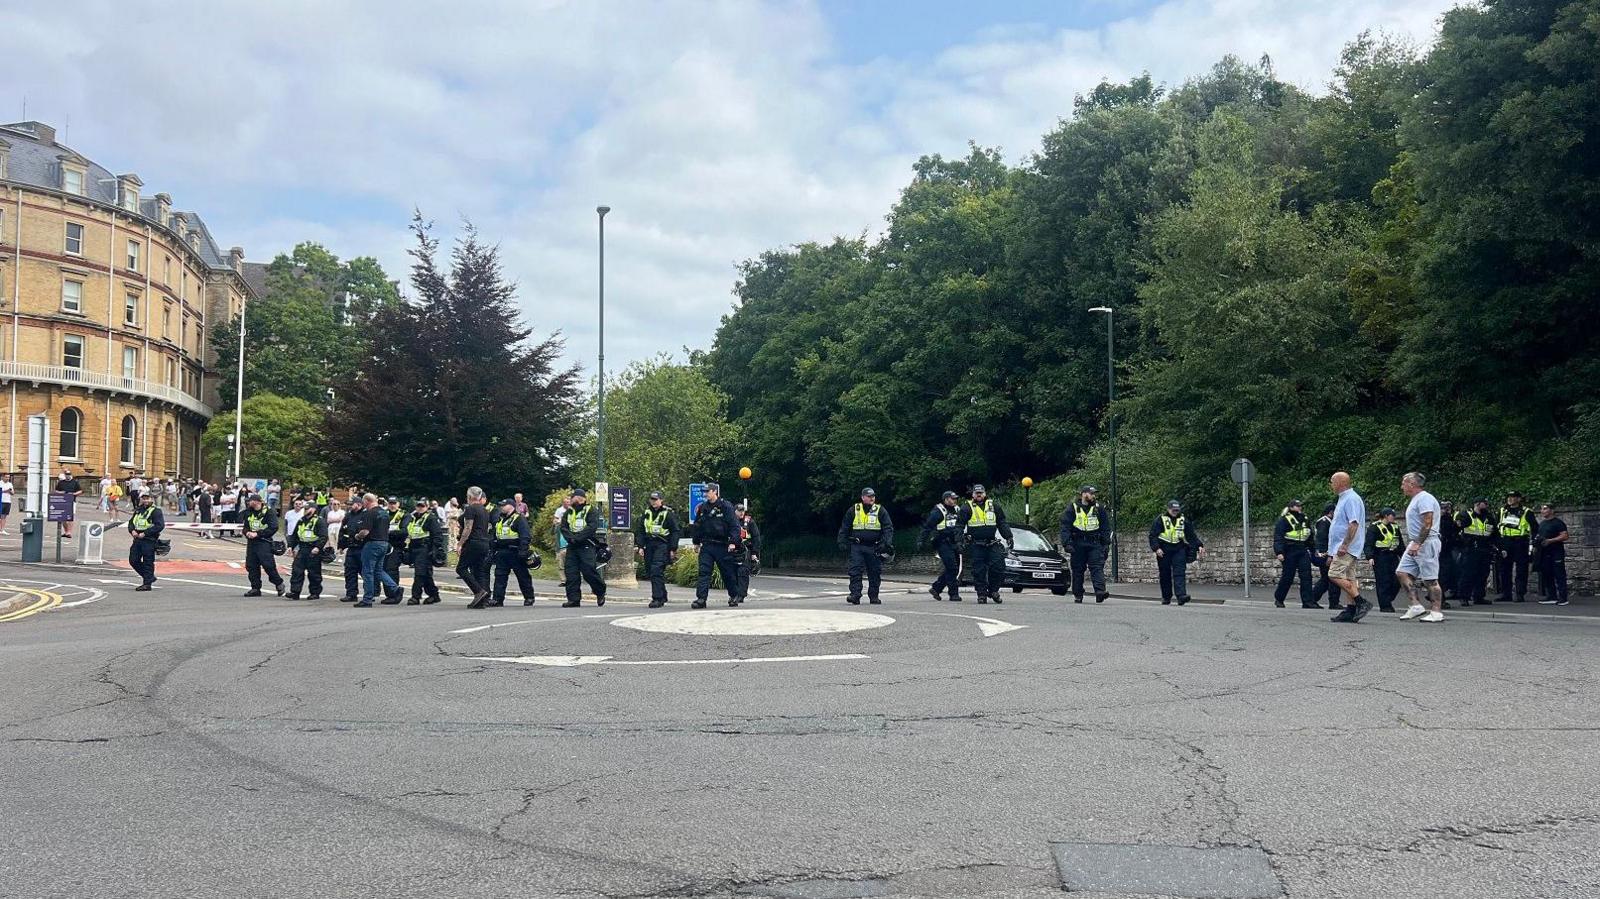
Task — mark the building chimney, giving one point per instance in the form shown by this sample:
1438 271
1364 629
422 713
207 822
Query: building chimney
236 258
40 130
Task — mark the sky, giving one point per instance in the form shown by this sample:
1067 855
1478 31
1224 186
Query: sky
714 129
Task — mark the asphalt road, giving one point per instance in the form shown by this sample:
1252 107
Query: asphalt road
190 742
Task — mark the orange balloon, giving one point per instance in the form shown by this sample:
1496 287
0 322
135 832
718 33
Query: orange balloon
745 473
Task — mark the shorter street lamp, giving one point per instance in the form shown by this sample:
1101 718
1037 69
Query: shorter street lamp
1027 506
745 474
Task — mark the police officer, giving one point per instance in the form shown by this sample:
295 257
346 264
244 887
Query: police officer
940 529
1449 550
1513 543
580 526
1383 536
320 498
260 524
1477 549
656 533
719 533
352 533
1173 540
424 536
1088 533
145 527
1322 561
1291 543
983 524
397 550
306 540
510 548
748 555
865 532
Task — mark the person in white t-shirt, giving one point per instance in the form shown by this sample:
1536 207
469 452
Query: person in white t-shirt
105 493
8 492
1419 566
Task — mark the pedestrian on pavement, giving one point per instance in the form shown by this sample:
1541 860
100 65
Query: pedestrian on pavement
1173 540
1513 546
1347 536
397 546
865 533
1552 538
145 526
1384 539
206 504
8 495
581 527
260 524
511 538
473 548
106 503
656 534
69 485
941 531
519 506
274 494
983 527
1419 567
424 539
1292 546
1088 534
1477 553
717 533
374 550
307 539
748 554
1322 560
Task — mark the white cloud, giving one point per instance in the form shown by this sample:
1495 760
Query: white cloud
714 130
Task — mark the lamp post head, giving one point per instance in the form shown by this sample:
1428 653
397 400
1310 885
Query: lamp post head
602 210
1105 309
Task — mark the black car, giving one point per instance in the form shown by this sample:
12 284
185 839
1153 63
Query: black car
1033 563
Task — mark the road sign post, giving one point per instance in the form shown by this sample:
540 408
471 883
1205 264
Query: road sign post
1243 474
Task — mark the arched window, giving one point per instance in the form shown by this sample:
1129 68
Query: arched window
130 430
71 427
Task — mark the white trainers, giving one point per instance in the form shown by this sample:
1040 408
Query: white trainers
1433 616
1542 602
1416 611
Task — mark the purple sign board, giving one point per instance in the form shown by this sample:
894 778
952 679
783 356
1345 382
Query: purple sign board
61 507
621 504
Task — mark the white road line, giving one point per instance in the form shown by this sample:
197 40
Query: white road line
484 627
755 622
95 593
576 661
990 626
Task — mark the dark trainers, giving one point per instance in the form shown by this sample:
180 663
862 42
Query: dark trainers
1101 597
1077 597
1362 608
1346 614
996 599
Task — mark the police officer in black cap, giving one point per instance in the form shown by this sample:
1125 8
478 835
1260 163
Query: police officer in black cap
145 526
1322 560
718 533
1174 542
424 537
581 527
983 524
352 534
1291 544
397 549
511 537
749 553
656 534
1513 543
306 540
1088 533
1385 545
1478 534
865 532
940 529
260 524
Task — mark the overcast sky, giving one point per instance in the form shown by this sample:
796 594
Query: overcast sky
714 130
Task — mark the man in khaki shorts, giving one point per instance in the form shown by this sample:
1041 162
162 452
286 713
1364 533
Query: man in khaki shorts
1419 566
1347 538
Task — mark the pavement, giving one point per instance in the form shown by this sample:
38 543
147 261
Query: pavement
191 742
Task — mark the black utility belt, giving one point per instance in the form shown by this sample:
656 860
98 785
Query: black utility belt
989 542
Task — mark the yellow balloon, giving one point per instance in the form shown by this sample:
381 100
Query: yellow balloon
1027 482
745 473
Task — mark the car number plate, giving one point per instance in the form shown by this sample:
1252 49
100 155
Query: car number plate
1044 575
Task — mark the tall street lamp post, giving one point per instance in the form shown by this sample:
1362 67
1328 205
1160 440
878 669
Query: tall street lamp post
1111 424
600 437
238 397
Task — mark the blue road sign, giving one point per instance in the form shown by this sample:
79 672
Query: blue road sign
697 495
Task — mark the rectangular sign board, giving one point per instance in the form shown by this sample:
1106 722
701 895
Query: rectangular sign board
621 507
62 508
697 495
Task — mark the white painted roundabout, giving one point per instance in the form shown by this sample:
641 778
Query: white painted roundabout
755 622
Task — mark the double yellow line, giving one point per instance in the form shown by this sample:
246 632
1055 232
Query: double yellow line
43 601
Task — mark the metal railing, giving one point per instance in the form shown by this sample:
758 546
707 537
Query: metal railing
81 377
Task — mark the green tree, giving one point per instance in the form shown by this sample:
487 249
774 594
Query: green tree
666 427
278 440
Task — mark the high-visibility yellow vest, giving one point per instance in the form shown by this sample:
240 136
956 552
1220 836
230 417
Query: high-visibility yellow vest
306 530
1087 519
1171 529
1515 522
1388 536
415 529
506 528
982 514
655 522
322 497
867 519
255 521
142 518
1478 525
395 516
947 517
577 518
1299 528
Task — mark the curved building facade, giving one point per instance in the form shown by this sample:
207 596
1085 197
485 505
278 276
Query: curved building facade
106 298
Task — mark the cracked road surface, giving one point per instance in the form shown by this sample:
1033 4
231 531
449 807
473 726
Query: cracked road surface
190 742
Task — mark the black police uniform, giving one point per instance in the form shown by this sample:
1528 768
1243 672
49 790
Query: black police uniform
147 524
1291 538
310 534
424 534
1449 554
716 526
258 556
1386 543
940 530
988 538
581 526
1087 533
1514 540
863 533
656 532
355 521
396 555
1322 561
1477 550
511 536
1176 539
749 548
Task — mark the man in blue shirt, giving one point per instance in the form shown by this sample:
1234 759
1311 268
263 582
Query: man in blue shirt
1347 537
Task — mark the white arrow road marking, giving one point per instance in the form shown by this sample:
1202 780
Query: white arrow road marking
575 661
484 627
989 626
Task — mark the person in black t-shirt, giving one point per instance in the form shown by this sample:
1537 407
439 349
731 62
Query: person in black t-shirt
70 486
1551 540
474 548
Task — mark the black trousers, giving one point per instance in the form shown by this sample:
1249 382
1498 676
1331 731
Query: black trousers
422 572
391 564
582 563
742 561
508 561
473 566
1553 570
1475 558
950 568
1511 569
307 567
1173 567
142 559
656 559
716 555
258 558
864 559
352 572
1324 586
1384 564
1449 569
1091 556
1296 564
988 561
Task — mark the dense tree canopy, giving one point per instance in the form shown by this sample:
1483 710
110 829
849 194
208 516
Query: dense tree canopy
279 440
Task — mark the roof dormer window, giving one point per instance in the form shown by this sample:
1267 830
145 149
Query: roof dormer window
5 153
72 180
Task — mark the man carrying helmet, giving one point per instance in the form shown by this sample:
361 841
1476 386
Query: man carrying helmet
1088 533
260 524
983 523
511 538
940 529
865 532
306 540
424 535
1173 539
581 527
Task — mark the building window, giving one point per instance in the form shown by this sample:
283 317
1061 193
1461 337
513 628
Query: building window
183 334
166 270
130 429
166 320
172 373
130 310
72 296
133 255
130 198
72 181
130 364
74 239
71 426
72 351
